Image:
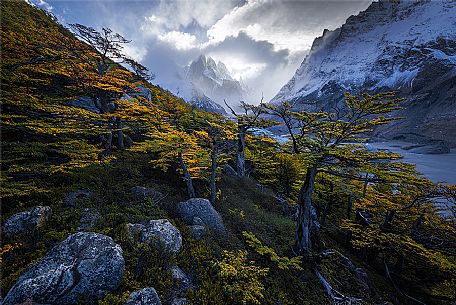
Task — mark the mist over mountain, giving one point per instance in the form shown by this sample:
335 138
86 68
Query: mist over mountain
403 46
210 83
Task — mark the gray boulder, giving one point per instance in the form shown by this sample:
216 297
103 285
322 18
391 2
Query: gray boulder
203 209
28 221
76 197
159 231
146 296
145 193
89 219
81 269
179 276
197 232
84 102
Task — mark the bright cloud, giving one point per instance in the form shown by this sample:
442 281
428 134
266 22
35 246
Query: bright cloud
180 40
261 41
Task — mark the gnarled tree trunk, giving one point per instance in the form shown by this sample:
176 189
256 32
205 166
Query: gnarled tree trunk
187 177
240 156
120 134
103 101
304 222
212 184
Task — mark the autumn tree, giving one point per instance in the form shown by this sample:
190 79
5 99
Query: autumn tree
105 63
284 113
219 139
249 118
400 225
327 142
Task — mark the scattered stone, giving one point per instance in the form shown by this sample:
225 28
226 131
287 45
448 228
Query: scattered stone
146 296
76 197
81 269
180 301
145 193
153 231
203 209
28 221
181 277
89 219
197 232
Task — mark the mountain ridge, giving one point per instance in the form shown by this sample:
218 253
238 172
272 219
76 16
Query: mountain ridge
408 47
211 83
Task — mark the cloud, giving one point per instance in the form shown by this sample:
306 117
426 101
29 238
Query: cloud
41 4
290 25
179 40
175 15
261 41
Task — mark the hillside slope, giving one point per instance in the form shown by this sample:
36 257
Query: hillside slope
95 202
404 46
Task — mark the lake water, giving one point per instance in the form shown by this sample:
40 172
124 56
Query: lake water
437 168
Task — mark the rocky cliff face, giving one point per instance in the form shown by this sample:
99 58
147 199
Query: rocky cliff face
211 83
404 46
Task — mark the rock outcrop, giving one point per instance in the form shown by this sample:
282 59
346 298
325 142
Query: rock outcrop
27 222
157 232
84 102
201 211
146 296
81 269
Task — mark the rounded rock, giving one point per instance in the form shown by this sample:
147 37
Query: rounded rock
82 268
146 296
27 221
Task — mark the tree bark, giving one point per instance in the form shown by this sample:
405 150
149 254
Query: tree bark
187 177
328 204
106 140
304 223
120 134
366 182
349 206
103 101
212 185
388 219
240 156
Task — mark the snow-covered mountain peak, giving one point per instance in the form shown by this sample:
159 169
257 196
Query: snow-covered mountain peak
211 82
407 46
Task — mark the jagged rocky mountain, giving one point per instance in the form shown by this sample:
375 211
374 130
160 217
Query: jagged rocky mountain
404 46
210 83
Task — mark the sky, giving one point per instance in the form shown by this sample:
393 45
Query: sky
261 42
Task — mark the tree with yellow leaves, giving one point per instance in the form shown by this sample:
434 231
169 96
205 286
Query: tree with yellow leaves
327 143
249 118
219 139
